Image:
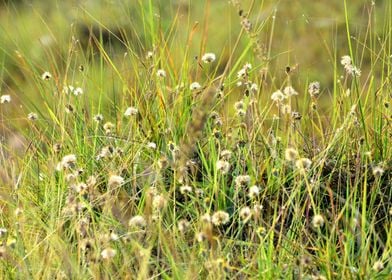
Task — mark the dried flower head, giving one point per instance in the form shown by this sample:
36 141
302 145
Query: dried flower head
291 154
98 118
245 214
254 191
226 154
317 221
161 73
223 166
159 202
108 253
183 225
68 161
195 86
220 218
115 181
186 189
314 89
242 180
208 57
32 116
78 91
378 266
151 145
6 98
108 127
278 96
137 222
131 111
378 171
289 91
46 76
303 163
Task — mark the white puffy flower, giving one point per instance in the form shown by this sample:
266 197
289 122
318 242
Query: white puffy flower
278 96
195 86
46 76
161 73
6 98
131 111
208 57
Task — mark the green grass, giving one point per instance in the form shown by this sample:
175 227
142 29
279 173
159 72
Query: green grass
218 182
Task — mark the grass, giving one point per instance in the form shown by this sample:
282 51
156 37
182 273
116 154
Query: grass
112 167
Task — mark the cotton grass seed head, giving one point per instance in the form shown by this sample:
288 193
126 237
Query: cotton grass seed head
108 253
137 222
254 191
32 116
68 161
223 166
317 221
220 218
303 163
131 111
46 76
161 73
195 86
278 96
245 214
291 154
208 58
115 181
242 180
378 171
186 189
6 98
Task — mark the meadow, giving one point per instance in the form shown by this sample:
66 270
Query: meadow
204 139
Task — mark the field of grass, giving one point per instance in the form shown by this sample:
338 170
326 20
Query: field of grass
179 139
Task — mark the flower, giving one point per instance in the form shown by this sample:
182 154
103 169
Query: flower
137 221
291 154
317 221
195 86
46 76
32 116
254 191
108 127
131 111
78 91
220 218
245 214
242 180
98 118
186 189
68 161
378 171
345 60
161 73
289 91
108 253
223 166
378 266
314 89
303 163
6 98
278 96
151 145
208 57
115 181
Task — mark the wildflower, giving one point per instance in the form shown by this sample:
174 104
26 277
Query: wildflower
108 253
346 60
254 88
378 266
68 161
239 105
246 24
291 154
149 55
208 57
317 221
78 91
223 166
98 118
3 232
285 109
6 98
137 222
115 181
220 218
226 154
242 180
254 191
151 145
46 76
57 147
245 214
257 208
161 73
296 116
68 89
289 91
32 116
186 189
278 96
131 111
195 86
80 188
303 163
378 171
108 127
314 89
159 202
